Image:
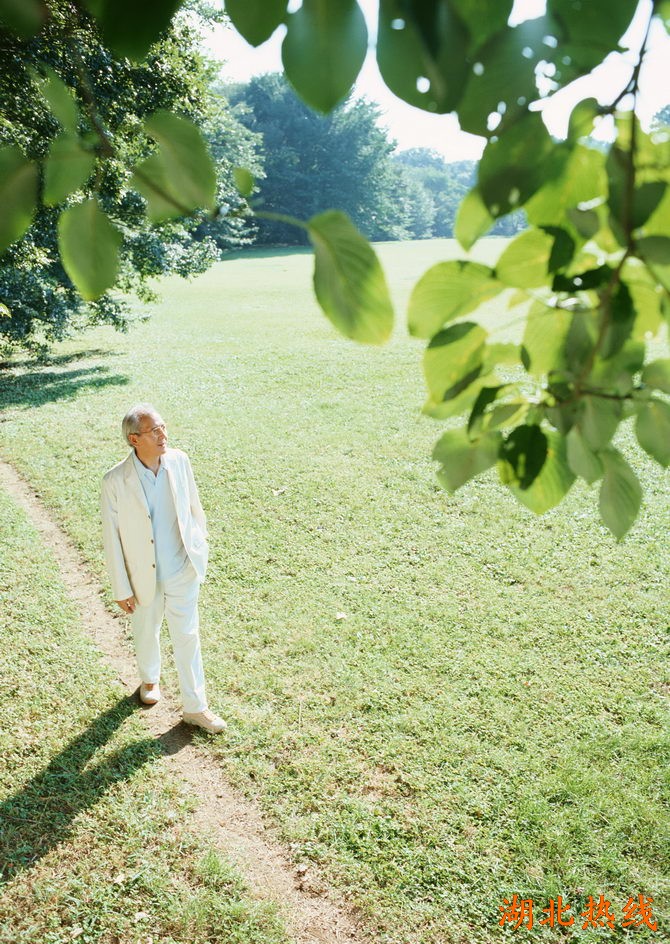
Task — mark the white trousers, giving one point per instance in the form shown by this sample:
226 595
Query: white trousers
176 599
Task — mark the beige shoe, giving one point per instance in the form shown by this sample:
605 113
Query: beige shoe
150 696
205 719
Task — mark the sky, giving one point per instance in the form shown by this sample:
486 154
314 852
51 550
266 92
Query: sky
412 127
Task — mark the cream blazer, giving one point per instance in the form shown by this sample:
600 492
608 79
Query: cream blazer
126 526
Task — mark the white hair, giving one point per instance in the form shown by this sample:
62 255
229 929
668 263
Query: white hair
131 421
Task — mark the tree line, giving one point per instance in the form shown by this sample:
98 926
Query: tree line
308 163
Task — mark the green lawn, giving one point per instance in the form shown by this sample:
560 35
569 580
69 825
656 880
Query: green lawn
95 841
442 701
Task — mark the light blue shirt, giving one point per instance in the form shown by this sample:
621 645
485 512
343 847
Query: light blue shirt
171 554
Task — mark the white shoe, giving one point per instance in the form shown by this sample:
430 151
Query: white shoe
205 719
150 696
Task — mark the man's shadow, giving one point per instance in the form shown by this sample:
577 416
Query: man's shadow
40 814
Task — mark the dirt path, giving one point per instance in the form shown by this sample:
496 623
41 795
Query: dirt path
231 823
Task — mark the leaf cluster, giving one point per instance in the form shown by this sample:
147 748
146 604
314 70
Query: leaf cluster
75 124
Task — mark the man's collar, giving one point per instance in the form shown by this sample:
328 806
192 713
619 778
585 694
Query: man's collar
142 468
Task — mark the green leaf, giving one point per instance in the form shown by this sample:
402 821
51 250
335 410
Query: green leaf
483 18
18 194
562 249
646 296
586 222
453 359
461 459
655 250
508 414
244 181
580 178
131 28
504 75
472 220
552 482
420 52
657 374
486 397
180 177
662 10
581 458
582 282
24 17
348 279
524 263
599 419
324 49
501 353
256 20
621 321
522 456
620 493
659 221
544 338
460 402
615 374
60 99
516 165
503 414
89 248
652 429
646 198
582 118
67 168
447 291
592 29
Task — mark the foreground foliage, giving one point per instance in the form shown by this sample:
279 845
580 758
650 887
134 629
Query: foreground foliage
592 272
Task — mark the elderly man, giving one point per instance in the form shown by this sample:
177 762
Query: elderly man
155 539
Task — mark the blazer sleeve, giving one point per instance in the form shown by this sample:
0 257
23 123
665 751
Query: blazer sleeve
116 564
194 499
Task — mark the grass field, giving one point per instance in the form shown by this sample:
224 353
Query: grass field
441 701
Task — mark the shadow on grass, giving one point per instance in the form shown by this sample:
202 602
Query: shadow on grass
40 814
268 252
37 387
49 359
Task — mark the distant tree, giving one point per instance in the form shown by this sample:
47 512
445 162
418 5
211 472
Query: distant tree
447 184
662 117
314 162
418 204
232 145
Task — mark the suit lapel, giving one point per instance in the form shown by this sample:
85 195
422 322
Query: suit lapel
169 469
133 482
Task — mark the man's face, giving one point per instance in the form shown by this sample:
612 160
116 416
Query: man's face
150 441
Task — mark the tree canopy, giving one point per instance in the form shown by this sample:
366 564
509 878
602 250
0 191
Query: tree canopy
75 111
445 186
590 276
314 162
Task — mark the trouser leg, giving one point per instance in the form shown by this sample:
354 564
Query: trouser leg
146 626
181 612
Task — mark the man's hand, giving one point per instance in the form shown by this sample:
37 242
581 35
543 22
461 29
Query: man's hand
128 606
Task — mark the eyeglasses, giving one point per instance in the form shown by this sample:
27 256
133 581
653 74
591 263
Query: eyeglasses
155 431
